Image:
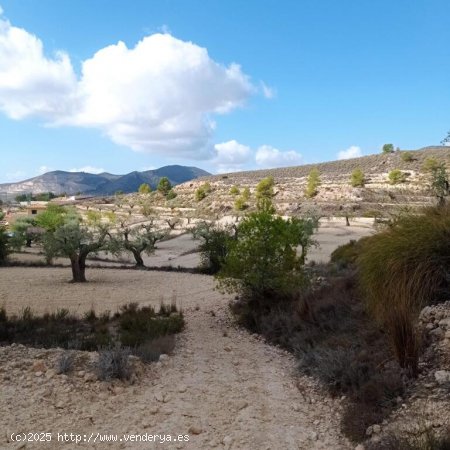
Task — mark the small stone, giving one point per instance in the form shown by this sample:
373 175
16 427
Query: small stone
182 388
316 422
81 373
227 348
38 374
360 447
163 357
159 397
442 376
195 429
376 429
314 436
89 377
39 366
227 441
437 333
50 374
369 431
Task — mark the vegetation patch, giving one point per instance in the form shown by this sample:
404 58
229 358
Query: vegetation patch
133 327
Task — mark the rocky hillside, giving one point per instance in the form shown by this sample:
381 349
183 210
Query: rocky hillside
335 194
100 184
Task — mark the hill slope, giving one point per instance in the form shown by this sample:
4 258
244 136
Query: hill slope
335 194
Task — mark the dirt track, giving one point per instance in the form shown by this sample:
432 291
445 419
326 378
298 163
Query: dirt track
232 389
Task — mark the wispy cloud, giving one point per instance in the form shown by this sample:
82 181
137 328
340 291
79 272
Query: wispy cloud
88 169
352 152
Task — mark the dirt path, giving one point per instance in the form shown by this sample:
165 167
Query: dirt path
223 387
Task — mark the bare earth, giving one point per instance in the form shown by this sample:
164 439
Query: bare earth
223 387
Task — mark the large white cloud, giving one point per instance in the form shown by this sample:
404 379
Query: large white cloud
351 152
231 156
160 96
269 157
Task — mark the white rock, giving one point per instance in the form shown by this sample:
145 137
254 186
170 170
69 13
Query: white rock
442 376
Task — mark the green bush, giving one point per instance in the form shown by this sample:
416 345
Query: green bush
240 204
144 188
396 176
262 263
407 156
234 190
346 255
171 195
388 148
215 245
3 241
403 269
312 183
164 186
357 178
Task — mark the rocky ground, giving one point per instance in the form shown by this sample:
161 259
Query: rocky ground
427 406
222 387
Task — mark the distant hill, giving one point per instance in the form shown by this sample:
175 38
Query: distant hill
105 183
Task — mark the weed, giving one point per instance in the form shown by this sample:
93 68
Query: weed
113 362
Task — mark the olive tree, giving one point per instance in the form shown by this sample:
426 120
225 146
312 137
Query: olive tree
75 240
137 240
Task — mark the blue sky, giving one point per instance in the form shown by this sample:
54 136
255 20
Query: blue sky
222 85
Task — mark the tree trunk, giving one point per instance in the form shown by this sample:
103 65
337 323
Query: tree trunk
347 221
137 257
78 263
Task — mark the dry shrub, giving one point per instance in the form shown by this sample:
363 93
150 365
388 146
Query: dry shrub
113 362
403 269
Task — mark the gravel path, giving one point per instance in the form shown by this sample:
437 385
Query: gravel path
222 387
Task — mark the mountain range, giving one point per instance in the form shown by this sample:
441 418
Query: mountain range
104 183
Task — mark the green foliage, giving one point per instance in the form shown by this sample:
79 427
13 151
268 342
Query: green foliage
136 240
396 176
346 255
263 260
246 194
264 195
94 218
171 195
164 186
3 240
240 204
52 218
215 245
140 325
24 232
312 183
388 148
430 164
407 156
357 178
440 183
144 188
234 190
202 191
42 197
75 241
403 269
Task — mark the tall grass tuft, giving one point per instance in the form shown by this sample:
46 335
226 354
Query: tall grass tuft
404 268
